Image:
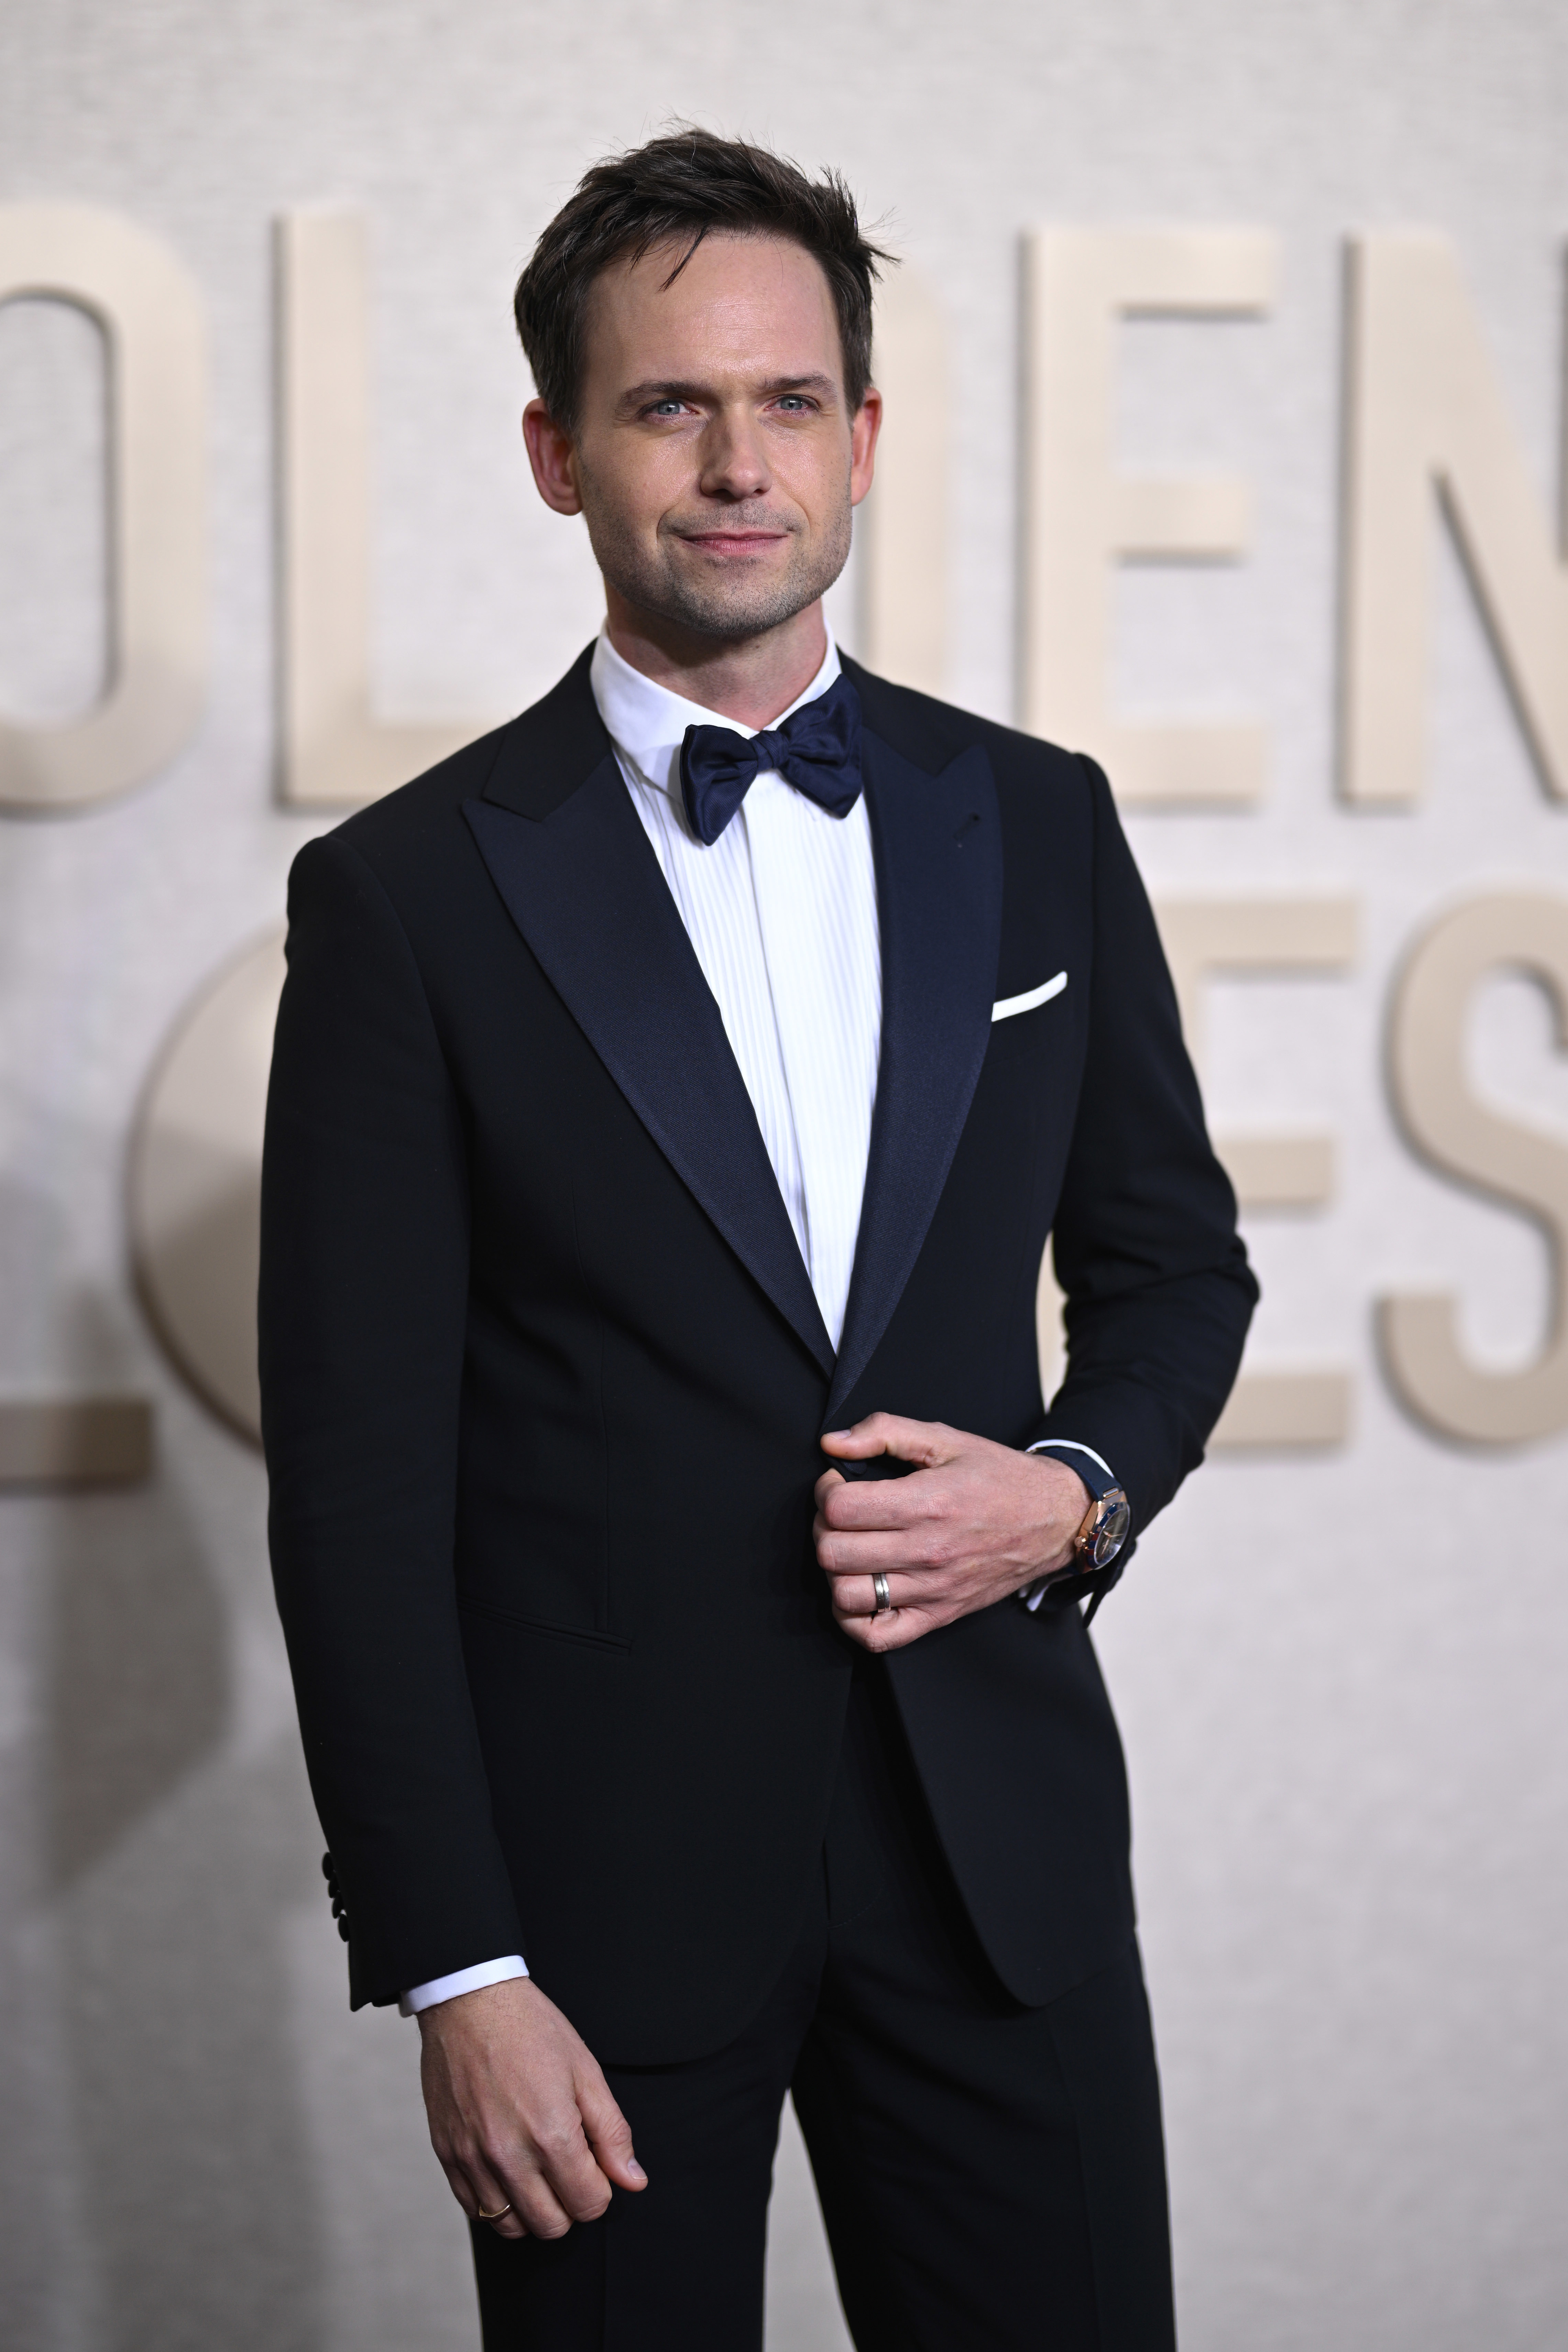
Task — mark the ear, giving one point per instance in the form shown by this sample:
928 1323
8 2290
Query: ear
863 435
553 458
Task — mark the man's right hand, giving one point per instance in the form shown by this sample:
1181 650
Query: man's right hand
520 2114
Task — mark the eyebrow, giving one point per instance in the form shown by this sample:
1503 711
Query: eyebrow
635 394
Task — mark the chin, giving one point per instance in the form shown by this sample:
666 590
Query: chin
741 607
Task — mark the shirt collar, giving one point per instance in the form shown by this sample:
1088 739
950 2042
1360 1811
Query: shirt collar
646 723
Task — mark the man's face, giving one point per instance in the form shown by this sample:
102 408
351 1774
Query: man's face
714 457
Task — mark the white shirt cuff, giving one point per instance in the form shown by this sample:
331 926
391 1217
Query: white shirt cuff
1033 1595
439 1989
1073 1446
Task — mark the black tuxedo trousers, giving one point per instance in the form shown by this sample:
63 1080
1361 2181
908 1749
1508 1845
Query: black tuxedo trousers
543 1377
992 2176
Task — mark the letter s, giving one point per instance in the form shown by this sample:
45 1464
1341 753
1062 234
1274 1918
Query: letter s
1495 1155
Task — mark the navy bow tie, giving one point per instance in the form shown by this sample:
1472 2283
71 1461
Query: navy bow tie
818 750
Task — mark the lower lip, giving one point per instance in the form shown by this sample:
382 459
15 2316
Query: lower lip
716 544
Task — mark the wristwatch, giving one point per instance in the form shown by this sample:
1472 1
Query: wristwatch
1109 1518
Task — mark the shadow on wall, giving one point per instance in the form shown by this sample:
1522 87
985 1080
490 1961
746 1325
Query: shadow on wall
138 1689
197 2172
135 1665
171 1851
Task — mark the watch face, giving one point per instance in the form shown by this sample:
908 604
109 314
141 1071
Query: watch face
1109 1532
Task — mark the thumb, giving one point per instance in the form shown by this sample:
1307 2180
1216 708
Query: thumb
608 2133
923 1443
857 1445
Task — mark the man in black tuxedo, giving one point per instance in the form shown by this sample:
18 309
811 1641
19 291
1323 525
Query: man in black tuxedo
673 1095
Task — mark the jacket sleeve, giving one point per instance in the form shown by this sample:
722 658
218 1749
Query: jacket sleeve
1159 1292
362 1315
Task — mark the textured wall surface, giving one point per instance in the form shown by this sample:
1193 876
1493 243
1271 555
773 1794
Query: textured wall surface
1339 1672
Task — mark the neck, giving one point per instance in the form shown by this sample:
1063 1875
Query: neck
751 679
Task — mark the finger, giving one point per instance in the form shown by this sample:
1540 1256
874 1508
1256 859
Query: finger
881 1502
895 1628
609 2134
922 1441
870 1551
539 2206
479 2193
519 2176
570 2169
825 1485
856 1596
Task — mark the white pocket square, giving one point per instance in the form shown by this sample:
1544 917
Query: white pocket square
1005 1007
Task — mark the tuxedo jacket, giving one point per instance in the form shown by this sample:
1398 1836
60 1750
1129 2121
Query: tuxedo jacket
544 1375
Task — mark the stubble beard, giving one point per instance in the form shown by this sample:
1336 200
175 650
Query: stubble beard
743 601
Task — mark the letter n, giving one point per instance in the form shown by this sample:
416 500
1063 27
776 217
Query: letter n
1427 412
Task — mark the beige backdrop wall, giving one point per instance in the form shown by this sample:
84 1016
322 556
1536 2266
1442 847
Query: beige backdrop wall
1339 1660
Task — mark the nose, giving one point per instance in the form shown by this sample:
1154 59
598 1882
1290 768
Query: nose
733 461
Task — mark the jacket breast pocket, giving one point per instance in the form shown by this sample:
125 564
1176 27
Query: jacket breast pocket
1028 999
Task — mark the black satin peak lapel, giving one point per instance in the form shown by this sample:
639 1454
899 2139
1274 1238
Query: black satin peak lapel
937 841
583 885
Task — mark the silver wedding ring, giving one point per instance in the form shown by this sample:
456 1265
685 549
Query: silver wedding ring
884 1598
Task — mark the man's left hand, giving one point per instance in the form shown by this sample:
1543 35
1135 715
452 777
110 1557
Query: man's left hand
971 1524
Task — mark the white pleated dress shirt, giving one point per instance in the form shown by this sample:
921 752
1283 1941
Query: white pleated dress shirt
780 912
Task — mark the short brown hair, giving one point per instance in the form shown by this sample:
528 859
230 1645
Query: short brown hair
673 191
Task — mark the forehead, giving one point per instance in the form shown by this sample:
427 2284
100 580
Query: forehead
741 305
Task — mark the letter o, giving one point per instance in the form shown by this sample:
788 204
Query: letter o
196 1181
